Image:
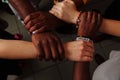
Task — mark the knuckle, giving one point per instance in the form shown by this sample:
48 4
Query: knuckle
30 23
51 41
44 42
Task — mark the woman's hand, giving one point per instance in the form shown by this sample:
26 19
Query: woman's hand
79 50
65 10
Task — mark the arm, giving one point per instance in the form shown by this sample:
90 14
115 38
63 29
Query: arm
70 15
43 21
81 71
23 7
111 27
26 50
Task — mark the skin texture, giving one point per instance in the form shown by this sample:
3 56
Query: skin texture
49 42
110 27
81 69
39 22
78 66
64 10
89 22
74 51
26 10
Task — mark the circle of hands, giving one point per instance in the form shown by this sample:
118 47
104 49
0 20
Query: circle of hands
49 45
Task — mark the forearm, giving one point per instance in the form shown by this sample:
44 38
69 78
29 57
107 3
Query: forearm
17 49
111 27
81 71
23 7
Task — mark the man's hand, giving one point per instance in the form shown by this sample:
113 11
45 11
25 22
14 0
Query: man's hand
41 21
89 24
49 45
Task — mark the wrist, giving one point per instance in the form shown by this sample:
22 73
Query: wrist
76 15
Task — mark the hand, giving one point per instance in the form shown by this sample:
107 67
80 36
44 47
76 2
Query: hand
89 24
49 45
40 22
79 51
66 11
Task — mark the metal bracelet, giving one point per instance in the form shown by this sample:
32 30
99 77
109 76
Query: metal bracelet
83 38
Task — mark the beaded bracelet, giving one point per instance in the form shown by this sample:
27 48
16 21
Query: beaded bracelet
78 20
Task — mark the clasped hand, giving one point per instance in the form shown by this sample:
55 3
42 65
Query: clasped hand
48 45
40 21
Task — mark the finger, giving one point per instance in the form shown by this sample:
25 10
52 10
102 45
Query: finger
58 10
46 47
90 44
86 46
29 24
87 58
31 16
60 48
94 18
89 17
32 23
54 50
54 12
68 2
43 29
99 20
40 51
88 53
82 26
36 27
56 1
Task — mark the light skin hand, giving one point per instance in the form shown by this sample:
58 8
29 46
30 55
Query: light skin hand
26 50
65 10
83 51
48 46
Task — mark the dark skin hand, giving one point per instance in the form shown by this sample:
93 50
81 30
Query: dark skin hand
44 21
41 21
47 22
89 24
49 45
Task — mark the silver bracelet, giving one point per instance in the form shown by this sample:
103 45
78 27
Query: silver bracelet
83 38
